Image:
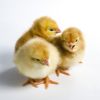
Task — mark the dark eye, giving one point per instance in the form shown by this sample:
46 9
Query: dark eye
35 59
51 29
76 40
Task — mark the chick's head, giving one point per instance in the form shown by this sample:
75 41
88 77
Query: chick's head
38 53
45 27
71 38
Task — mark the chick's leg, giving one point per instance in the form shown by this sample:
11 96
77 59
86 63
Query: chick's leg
33 82
47 81
62 71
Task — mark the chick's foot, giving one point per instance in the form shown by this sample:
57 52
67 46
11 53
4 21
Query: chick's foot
47 81
62 71
33 82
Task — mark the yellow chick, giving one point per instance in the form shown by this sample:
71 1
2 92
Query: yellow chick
44 27
35 60
71 46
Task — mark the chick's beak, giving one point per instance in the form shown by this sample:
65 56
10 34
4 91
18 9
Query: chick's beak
58 30
45 62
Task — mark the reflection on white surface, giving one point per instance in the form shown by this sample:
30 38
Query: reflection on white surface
17 16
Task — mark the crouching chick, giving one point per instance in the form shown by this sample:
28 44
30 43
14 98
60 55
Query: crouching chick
37 59
71 46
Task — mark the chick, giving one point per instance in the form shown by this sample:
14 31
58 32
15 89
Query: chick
35 60
44 27
71 46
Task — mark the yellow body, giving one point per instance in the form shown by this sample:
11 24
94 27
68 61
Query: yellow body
35 59
44 27
71 47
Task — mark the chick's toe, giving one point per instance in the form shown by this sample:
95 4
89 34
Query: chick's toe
62 71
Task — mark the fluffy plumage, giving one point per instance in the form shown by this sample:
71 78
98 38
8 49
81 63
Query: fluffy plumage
35 59
44 27
71 46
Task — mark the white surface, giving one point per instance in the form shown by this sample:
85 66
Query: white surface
16 16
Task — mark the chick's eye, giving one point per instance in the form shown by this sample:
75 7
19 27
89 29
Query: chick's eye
51 29
37 59
76 40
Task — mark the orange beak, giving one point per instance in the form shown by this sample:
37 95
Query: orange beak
58 30
45 62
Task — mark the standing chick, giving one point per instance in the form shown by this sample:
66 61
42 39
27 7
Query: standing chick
44 27
71 46
35 60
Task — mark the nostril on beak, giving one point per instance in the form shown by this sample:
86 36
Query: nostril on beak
73 46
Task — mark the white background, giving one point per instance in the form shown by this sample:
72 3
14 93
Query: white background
16 16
